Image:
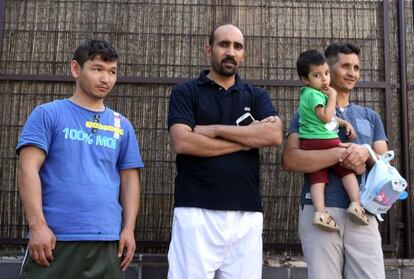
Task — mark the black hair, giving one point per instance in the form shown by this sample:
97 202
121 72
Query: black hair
307 59
333 50
90 49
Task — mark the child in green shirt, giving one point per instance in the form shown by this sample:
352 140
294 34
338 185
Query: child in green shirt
318 129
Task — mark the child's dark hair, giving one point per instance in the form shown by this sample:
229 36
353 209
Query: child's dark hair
90 49
307 59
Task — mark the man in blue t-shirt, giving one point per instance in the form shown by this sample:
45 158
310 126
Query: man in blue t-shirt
78 177
355 251
217 225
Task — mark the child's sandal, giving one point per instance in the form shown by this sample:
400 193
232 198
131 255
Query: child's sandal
325 221
357 214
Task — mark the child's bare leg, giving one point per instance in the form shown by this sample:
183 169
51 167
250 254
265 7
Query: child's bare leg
317 192
352 187
321 218
355 210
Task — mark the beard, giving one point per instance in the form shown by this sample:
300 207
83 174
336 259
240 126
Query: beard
219 68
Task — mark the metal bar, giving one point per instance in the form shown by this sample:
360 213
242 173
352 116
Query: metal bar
388 120
405 167
161 80
2 7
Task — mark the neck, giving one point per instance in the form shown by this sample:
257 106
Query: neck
89 103
342 99
225 81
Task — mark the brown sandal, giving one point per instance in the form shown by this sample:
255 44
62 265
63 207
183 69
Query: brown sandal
357 214
325 221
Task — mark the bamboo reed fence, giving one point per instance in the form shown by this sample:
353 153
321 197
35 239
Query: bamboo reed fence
163 41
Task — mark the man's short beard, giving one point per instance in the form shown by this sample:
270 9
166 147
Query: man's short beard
219 68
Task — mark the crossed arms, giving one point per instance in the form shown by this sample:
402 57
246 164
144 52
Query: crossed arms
216 140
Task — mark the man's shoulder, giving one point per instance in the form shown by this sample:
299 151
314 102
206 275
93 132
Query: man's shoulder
52 107
250 88
116 114
187 85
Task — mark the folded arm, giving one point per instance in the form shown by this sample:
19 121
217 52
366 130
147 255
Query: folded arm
267 132
298 160
351 156
186 141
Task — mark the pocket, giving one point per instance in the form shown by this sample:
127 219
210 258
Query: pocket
364 131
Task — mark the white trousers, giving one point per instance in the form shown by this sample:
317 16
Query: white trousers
209 244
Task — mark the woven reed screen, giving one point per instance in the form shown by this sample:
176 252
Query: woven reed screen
165 39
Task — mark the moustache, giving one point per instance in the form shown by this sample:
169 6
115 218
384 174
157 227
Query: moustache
229 59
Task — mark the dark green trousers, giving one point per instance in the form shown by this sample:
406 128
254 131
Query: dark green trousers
77 260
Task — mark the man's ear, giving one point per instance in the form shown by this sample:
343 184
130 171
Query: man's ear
207 52
74 68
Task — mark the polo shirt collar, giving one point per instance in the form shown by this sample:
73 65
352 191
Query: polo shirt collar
203 79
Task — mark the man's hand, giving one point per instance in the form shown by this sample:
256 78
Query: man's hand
126 248
41 243
354 157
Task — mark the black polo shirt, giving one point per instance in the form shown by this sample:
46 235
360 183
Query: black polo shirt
227 182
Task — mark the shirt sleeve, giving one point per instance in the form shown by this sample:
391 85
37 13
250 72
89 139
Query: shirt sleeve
129 154
37 131
264 106
314 98
181 107
294 124
379 132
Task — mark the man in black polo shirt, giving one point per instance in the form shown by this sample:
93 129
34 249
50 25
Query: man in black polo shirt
217 226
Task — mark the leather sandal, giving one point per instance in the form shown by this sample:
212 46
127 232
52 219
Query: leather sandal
325 221
357 214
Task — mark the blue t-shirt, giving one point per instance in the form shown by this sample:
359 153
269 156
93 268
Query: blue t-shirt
369 129
85 151
226 182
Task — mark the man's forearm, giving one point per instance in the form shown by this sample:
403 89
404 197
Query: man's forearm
30 187
307 161
253 136
31 197
129 197
187 142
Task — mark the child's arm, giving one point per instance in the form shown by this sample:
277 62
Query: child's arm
349 130
326 113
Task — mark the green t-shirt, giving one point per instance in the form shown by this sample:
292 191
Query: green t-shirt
311 127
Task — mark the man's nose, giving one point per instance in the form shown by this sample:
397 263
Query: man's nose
104 77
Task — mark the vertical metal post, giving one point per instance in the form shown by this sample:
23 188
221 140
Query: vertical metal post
405 167
388 121
2 7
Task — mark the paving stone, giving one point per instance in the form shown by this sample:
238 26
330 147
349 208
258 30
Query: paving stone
154 272
9 270
299 273
407 273
275 273
392 274
132 272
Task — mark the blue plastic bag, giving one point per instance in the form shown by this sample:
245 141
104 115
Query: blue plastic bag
383 186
